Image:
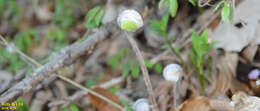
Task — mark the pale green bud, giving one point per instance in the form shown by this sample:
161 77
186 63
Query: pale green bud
130 20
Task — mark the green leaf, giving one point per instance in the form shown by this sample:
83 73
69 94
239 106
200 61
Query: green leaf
4 53
90 83
160 26
126 105
122 53
225 13
57 35
113 61
166 46
73 107
195 41
99 17
135 70
231 14
164 22
27 40
209 62
94 17
33 32
204 36
126 69
156 27
158 68
23 106
113 89
173 7
92 12
64 109
192 2
193 58
63 15
163 3
148 64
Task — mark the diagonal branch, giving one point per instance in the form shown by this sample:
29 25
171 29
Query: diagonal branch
63 58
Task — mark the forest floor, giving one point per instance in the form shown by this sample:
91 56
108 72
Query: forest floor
71 55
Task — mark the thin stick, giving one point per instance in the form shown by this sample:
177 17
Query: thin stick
174 95
91 91
143 68
64 78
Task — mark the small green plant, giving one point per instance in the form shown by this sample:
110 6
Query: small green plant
23 41
59 36
113 89
63 19
172 4
22 106
160 27
11 62
92 81
71 107
157 67
15 11
131 67
127 106
94 17
63 15
115 60
227 10
200 47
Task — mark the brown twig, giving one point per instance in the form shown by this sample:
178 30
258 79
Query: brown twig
140 59
80 94
64 78
63 58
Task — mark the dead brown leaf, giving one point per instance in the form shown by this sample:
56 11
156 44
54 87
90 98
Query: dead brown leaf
101 104
199 103
244 102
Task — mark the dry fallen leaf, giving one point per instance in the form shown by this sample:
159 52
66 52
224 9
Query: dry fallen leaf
101 104
199 103
246 30
244 102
